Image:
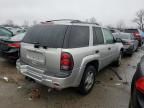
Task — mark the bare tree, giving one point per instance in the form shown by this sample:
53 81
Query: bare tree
26 23
120 25
87 20
93 20
10 22
34 22
110 26
139 19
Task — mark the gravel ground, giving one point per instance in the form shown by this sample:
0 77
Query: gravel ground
108 92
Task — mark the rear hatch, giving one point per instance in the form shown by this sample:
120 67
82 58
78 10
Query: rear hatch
135 32
41 47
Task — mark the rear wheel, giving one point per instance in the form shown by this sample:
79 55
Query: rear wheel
88 80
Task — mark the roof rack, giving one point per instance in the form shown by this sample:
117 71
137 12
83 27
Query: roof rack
87 23
71 21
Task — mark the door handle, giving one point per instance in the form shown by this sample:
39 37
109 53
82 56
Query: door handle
97 51
109 48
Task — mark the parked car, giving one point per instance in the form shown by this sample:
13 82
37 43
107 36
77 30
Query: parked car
10 47
114 31
137 87
62 54
137 34
5 33
130 44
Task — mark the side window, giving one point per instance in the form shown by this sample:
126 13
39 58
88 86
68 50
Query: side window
79 36
108 36
97 36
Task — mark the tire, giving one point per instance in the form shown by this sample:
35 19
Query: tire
118 61
136 49
130 104
88 80
133 101
130 54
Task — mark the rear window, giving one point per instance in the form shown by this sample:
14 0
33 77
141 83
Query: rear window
51 36
131 30
79 36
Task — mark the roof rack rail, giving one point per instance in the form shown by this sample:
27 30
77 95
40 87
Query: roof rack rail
88 23
71 21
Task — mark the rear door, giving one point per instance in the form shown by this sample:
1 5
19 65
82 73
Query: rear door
112 47
99 47
41 47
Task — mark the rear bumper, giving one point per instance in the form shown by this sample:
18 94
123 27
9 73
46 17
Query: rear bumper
128 50
50 81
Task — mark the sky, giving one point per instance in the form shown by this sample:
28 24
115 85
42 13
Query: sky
107 12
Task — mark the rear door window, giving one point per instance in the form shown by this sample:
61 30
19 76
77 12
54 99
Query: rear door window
108 36
51 36
79 36
97 36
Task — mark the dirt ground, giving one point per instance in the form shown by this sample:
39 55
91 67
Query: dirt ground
108 92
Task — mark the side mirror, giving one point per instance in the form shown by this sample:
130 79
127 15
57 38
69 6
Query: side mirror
119 40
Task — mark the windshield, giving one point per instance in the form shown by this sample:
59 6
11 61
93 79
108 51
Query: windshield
5 32
51 36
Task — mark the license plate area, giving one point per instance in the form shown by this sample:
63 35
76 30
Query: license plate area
36 57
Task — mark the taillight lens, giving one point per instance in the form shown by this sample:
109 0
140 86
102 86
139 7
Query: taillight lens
140 84
14 45
66 62
136 34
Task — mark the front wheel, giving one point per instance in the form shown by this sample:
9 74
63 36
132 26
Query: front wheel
87 81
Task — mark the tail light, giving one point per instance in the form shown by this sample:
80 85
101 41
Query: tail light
14 45
66 62
140 84
136 34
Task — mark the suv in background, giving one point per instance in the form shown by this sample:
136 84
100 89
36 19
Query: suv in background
62 54
137 34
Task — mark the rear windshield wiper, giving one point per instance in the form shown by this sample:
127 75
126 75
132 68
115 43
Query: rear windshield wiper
36 45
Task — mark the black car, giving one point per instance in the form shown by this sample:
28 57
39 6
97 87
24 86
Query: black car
137 87
130 44
10 47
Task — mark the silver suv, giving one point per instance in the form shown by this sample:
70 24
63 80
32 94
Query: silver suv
62 54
